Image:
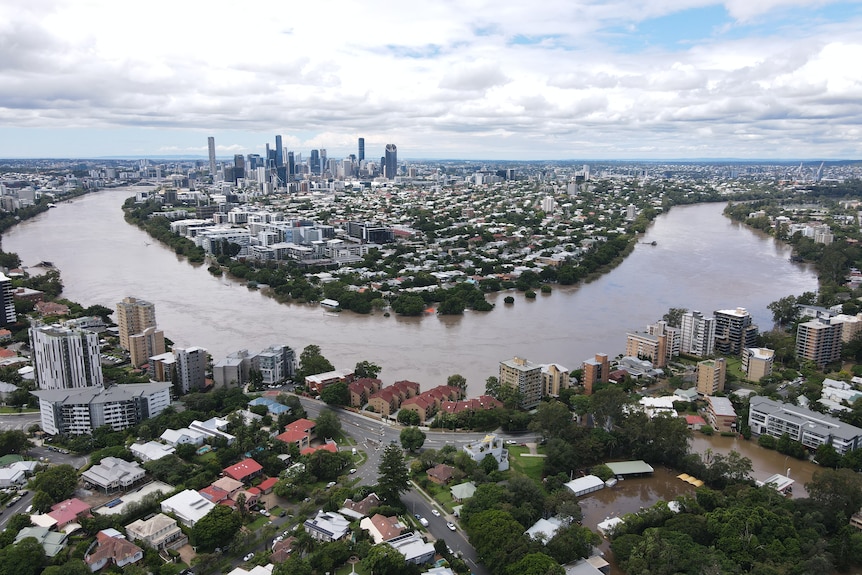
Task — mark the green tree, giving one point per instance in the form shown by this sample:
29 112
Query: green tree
784 310
498 538
294 565
552 419
384 560
408 304
327 424
412 438
312 362
489 464
367 369
838 492
42 502
58 482
408 417
673 317
336 393
216 528
24 558
536 564
457 380
394 477
14 441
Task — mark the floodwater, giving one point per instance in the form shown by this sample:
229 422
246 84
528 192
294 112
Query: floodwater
701 261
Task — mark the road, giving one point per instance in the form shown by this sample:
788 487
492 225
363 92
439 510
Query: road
18 421
373 435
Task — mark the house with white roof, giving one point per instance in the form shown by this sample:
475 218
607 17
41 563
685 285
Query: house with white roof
182 436
327 526
414 549
545 529
188 506
151 450
113 474
489 445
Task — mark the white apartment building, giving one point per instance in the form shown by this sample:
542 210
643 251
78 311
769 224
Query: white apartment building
65 358
697 334
191 364
80 411
810 428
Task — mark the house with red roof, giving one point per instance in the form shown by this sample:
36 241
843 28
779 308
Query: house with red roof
330 446
267 485
245 470
68 511
441 474
300 433
112 547
481 403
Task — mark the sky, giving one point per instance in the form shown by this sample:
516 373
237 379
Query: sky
461 79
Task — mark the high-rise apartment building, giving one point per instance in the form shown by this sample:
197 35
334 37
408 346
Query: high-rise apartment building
526 377
672 338
819 341
144 345
697 334
711 374
649 347
734 331
390 162
7 302
191 367
757 362
133 317
65 358
361 151
595 370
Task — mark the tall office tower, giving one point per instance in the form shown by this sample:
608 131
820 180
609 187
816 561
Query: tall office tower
191 368
238 167
697 334
7 302
710 376
819 340
314 162
323 164
526 377
291 166
390 162
65 358
133 317
279 153
361 155
734 331
211 145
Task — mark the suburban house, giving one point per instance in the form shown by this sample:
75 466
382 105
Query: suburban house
382 528
245 470
441 474
113 474
359 509
159 532
183 436
327 526
490 445
188 506
151 450
68 511
112 548
300 433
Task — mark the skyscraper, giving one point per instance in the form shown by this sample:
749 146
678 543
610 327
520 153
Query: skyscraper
390 165
291 167
65 358
524 376
314 162
279 153
238 167
734 330
7 302
361 149
697 334
211 145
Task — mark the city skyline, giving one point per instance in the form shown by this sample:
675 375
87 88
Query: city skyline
647 80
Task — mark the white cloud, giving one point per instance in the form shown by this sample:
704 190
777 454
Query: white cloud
539 80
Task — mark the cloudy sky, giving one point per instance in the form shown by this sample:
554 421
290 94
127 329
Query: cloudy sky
502 79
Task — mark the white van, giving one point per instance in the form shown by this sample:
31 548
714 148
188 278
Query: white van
29 509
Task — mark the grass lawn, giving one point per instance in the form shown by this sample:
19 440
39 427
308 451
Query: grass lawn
529 466
257 523
346 570
441 495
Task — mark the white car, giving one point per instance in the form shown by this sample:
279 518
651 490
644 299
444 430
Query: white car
352 470
451 526
248 557
435 513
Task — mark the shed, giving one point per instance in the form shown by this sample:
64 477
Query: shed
628 468
586 484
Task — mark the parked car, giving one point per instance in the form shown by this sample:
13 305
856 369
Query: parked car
248 557
435 513
423 521
451 526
